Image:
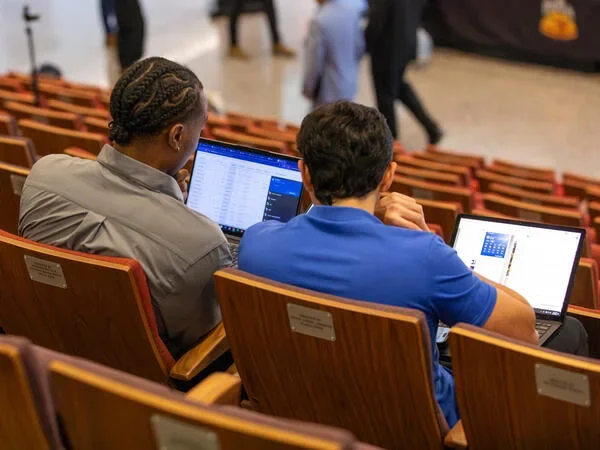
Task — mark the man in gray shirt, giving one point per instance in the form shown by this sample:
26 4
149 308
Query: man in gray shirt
128 203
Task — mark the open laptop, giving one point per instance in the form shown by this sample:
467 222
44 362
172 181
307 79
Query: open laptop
536 260
239 186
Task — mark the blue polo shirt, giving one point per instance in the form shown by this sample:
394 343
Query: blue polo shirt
350 253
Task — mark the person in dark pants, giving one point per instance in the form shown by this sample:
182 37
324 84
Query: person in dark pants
130 22
278 48
391 38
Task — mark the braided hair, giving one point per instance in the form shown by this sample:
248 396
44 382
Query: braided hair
152 95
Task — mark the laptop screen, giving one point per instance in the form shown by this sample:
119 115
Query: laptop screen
238 187
535 260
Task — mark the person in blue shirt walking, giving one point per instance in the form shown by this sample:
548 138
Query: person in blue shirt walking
334 47
341 247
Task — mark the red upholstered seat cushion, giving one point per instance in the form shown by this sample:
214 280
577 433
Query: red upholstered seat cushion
140 280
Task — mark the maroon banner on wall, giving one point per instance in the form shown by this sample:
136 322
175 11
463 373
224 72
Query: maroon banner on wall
566 29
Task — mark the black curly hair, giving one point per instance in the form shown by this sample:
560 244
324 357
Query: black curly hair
150 96
347 148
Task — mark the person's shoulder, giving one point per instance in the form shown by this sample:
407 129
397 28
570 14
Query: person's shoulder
56 167
264 228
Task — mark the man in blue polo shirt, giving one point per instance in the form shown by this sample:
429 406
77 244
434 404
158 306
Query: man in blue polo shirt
341 247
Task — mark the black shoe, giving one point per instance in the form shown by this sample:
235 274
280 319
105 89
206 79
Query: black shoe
435 135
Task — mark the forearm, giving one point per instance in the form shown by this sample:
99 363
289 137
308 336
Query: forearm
508 291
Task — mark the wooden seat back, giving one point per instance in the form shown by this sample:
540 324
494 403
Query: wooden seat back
433 191
11 84
61 119
535 198
575 185
20 423
275 135
585 287
430 176
296 356
593 210
8 125
12 179
535 213
49 140
103 399
245 139
516 395
10 96
523 171
486 178
81 97
96 125
458 159
95 307
17 151
442 213
98 113
408 160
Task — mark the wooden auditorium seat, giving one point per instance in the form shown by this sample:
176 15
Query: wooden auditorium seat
590 318
235 137
433 191
11 84
81 110
96 125
46 116
359 366
520 396
593 210
430 176
121 411
276 135
18 151
48 139
536 213
556 201
442 213
458 159
486 178
575 185
79 153
24 422
408 160
79 97
12 179
91 306
523 171
585 287
230 123
26 98
104 98
8 125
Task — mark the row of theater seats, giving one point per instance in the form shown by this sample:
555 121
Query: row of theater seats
444 183
300 355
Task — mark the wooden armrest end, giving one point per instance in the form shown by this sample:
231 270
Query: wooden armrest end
456 437
202 355
218 389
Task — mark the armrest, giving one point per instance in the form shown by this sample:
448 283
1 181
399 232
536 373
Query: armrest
202 355
79 153
456 437
219 389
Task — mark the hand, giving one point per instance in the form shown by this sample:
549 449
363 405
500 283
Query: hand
183 178
400 210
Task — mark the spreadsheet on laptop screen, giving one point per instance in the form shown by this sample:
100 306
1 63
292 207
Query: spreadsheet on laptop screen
535 262
237 188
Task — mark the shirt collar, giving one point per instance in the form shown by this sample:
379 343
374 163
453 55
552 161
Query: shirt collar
341 213
137 172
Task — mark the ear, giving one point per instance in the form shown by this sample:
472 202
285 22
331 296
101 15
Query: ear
388 177
306 180
175 137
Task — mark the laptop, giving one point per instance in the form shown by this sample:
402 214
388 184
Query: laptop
238 187
536 260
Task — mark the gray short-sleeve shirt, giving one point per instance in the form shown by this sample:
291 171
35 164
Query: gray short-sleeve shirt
118 206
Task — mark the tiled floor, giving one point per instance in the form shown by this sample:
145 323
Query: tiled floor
532 114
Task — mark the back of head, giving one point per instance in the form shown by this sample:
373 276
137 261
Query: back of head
347 148
151 96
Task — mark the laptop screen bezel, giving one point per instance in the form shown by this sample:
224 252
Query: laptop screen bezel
546 226
244 148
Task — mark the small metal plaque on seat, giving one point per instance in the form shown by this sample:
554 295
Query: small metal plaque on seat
46 272
560 384
310 321
17 182
172 434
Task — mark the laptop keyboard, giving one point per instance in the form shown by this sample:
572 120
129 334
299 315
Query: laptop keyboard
542 328
235 252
